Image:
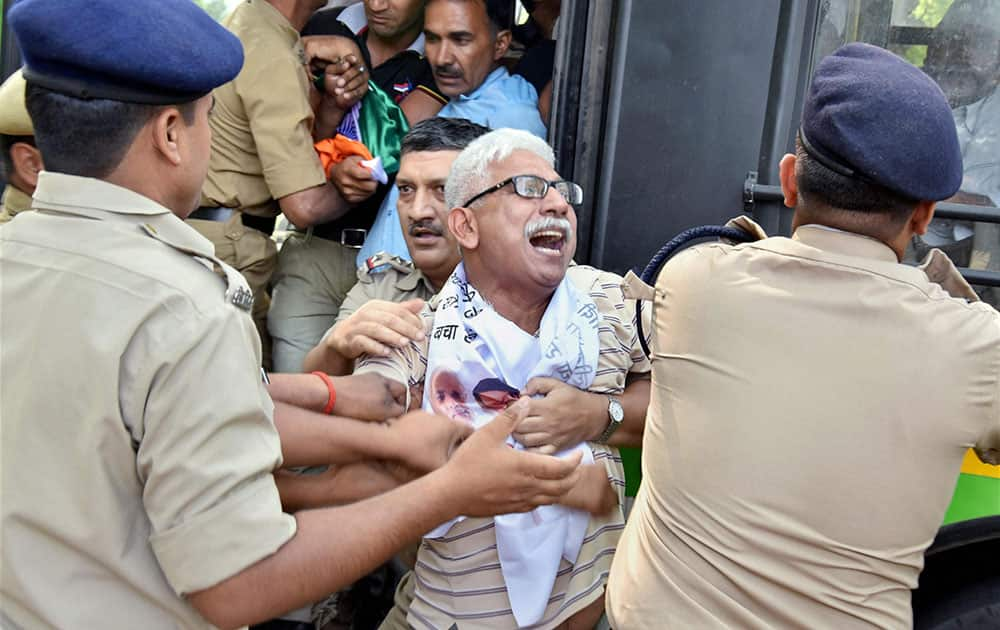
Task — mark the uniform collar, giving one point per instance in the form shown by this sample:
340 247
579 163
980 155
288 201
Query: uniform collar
497 75
15 200
844 243
101 200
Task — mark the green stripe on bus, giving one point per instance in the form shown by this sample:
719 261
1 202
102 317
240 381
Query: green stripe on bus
975 496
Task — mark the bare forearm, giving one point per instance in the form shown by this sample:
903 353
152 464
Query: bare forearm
325 358
332 548
635 402
313 206
328 118
313 439
301 390
344 485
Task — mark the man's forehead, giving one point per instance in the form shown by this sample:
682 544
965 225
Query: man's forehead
426 165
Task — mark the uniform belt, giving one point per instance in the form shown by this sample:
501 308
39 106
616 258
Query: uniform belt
209 213
353 238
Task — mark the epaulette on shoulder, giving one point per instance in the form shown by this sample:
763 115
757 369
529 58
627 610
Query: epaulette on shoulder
383 261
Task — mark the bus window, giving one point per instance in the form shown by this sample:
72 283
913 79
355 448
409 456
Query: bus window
957 42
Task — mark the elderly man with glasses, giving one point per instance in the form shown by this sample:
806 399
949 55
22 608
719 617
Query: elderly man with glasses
517 310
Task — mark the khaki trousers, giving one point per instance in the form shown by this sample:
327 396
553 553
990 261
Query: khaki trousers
252 253
312 278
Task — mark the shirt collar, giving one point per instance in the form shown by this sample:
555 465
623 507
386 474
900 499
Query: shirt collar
845 243
98 199
58 191
497 75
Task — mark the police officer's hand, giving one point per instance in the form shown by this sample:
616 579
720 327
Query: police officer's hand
563 417
345 82
369 397
376 328
353 181
424 441
491 478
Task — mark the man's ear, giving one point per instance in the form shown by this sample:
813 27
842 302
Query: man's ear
27 162
922 216
789 185
501 45
463 225
167 128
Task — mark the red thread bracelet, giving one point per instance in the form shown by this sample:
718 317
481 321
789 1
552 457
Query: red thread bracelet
332 398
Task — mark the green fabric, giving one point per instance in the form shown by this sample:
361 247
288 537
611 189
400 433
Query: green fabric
975 496
632 463
382 126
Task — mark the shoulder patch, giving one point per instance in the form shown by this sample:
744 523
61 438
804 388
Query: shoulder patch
383 261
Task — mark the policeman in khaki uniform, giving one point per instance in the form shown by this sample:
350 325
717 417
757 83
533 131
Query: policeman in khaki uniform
137 456
813 398
22 161
263 162
380 311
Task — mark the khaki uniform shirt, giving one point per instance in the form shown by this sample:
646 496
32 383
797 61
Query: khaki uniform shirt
457 579
262 146
391 285
13 201
138 441
812 402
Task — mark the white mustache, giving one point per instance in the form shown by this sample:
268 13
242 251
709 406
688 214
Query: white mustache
547 224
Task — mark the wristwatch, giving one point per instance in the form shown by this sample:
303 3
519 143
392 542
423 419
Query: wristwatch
615 416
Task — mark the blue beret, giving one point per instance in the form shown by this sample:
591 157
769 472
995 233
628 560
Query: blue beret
157 52
870 114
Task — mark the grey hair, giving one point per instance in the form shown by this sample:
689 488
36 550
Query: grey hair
470 172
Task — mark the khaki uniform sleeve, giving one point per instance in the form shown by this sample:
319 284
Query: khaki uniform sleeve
207 450
274 89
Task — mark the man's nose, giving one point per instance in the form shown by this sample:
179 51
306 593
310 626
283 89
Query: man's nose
424 205
445 54
377 5
555 204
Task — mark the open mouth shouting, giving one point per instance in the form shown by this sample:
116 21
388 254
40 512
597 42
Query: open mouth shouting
548 236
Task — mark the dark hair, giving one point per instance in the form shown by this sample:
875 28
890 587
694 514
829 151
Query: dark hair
441 134
493 385
820 186
499 12
6 142
89 137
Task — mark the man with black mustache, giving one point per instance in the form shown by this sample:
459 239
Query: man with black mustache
379 313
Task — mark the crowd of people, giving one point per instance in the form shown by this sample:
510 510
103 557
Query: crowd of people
421 394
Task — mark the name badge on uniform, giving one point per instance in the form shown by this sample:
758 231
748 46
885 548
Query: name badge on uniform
242 298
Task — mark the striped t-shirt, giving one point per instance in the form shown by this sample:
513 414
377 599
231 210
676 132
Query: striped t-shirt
457 579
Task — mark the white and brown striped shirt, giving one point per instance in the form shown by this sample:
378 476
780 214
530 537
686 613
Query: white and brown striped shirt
457 579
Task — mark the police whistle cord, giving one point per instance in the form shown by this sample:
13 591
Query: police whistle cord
649 274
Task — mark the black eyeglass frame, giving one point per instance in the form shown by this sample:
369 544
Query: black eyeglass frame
545 191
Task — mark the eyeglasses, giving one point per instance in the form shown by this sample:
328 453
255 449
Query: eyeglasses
535 187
